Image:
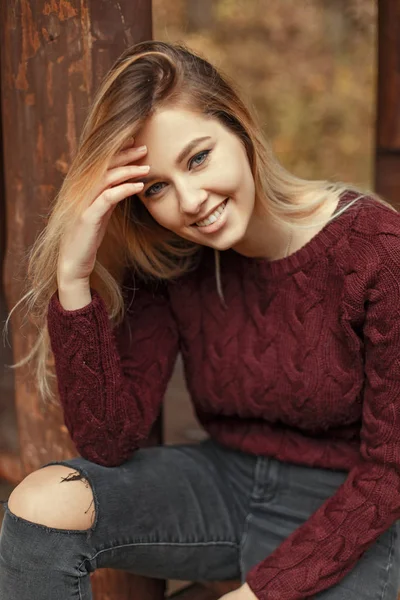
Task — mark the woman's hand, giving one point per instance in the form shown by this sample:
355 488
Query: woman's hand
81 242
242 593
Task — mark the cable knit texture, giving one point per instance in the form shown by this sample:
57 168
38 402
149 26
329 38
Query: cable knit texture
302 365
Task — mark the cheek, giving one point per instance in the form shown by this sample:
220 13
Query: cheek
235 178
163 215
227 176
247 183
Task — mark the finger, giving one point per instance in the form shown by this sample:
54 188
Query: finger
128 143
122 174
111 197
127 156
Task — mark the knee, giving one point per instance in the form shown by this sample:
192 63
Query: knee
46 497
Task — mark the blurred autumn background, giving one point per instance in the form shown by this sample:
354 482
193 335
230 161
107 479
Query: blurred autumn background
307 66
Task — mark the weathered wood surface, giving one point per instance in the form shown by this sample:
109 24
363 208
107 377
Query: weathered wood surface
54 54
387 164
10 463
108 584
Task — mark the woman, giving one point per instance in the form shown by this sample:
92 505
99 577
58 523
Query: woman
177 230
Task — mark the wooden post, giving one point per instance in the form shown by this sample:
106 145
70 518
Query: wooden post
54 54
387 161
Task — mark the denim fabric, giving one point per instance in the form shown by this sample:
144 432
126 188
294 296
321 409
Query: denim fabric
191 512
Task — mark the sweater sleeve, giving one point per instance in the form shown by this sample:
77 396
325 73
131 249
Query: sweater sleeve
323 550
111 382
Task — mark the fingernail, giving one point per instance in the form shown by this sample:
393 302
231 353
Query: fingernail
142 148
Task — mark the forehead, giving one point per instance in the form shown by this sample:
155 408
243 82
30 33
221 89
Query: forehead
172 128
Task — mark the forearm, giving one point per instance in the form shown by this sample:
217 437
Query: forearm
111 381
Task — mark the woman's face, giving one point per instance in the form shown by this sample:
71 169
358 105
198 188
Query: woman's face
200 185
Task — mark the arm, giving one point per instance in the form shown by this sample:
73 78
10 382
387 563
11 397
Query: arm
112 382
325 548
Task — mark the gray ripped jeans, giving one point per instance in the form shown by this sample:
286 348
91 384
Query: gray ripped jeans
191 512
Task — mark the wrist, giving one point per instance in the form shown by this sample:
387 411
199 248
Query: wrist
74 295
65 283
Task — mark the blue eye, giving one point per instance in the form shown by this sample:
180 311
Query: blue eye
152 190
148 192
203 155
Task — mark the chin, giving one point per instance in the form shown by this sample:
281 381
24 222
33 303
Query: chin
227 239
222 246
226 242
236 237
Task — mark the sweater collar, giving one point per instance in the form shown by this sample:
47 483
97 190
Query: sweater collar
327 237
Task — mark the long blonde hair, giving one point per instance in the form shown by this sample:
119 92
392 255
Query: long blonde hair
145 78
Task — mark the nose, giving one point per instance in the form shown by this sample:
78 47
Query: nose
191 200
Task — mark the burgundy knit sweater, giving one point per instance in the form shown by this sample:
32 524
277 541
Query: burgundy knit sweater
302 365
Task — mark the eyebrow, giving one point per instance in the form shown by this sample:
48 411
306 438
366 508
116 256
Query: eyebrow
181 156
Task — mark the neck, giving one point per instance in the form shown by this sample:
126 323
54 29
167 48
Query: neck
264 238
267 238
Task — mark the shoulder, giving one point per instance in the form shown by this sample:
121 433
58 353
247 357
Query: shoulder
374 234
375 218
369 246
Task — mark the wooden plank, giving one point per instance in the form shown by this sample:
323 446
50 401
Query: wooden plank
387 176
10 464
387 163
11 467
109 584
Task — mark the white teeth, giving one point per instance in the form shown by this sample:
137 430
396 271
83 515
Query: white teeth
212 218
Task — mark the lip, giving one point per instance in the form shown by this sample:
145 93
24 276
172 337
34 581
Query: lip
209 213
218 224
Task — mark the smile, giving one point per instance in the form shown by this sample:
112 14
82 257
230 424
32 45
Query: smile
213 217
